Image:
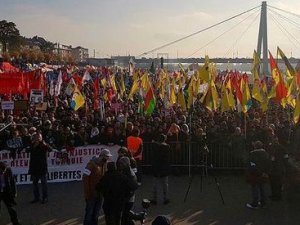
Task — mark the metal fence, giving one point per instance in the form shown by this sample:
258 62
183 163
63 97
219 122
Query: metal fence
193 154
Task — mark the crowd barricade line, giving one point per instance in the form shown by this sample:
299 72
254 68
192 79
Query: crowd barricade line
193 155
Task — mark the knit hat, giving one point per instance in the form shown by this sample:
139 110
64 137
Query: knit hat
124 162
105 153
161 220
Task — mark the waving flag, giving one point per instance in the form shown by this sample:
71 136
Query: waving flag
280 88
77 99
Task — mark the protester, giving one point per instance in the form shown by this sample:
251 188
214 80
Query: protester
38 167
135 147
92 174
125 169
258 171
279 164
8 192
161 168
115 188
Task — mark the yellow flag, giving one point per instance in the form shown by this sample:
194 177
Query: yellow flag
203 73
172 93
247 102
224 99
122 85
77 99
134 89
113 83
103 82
181 100
296 111
210 99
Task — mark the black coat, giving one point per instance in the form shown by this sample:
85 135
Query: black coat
116 188
38 159
161 160
10 184
279 158
259 166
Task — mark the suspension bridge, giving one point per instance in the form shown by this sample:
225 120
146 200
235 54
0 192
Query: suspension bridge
284 21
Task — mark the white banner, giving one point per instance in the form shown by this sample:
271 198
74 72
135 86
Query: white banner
59 170
7 105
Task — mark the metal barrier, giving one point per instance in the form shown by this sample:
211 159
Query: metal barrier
193 154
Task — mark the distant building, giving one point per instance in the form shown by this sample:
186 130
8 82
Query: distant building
63 50
100 61
122 60
80 54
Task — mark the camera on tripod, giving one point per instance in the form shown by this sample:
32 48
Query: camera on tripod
140 216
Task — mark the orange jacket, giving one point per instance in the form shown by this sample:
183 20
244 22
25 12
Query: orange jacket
135 147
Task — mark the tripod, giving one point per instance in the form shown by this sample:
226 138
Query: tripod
204 168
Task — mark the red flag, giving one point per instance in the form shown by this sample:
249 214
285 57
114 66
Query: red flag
235 81
281 90
96 94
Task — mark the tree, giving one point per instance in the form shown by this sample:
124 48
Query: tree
9 35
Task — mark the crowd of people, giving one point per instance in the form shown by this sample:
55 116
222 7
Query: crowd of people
258 137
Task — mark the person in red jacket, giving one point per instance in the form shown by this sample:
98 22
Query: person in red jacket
135 147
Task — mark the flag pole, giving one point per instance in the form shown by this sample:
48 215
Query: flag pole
245 125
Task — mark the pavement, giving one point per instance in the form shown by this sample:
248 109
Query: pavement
66 204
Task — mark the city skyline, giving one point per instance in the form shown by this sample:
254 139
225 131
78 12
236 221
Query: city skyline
132 27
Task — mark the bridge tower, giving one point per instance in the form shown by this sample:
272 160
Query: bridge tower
263 40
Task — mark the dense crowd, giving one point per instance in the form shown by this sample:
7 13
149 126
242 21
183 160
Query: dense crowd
62 127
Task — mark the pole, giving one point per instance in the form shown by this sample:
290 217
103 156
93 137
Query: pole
190 144
289 117
188 190
245 125
219 189
6 126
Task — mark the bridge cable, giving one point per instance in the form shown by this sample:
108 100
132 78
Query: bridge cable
285 18
242 34
284 31
197 32
294 14
207 44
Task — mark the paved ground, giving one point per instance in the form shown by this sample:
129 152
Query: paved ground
66 206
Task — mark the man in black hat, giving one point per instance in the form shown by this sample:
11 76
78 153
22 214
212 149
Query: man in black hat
8 192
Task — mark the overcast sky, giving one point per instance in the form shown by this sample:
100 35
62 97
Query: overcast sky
119 27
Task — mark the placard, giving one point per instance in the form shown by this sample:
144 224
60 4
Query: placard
41 106
7 105
36 96
21 105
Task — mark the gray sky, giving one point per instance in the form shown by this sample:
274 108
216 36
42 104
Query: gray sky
119 27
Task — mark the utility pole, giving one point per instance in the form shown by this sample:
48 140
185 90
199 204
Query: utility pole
263 39
94 53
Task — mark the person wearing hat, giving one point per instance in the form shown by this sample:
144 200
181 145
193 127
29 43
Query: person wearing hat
124 167
92 174
259 167
115 188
